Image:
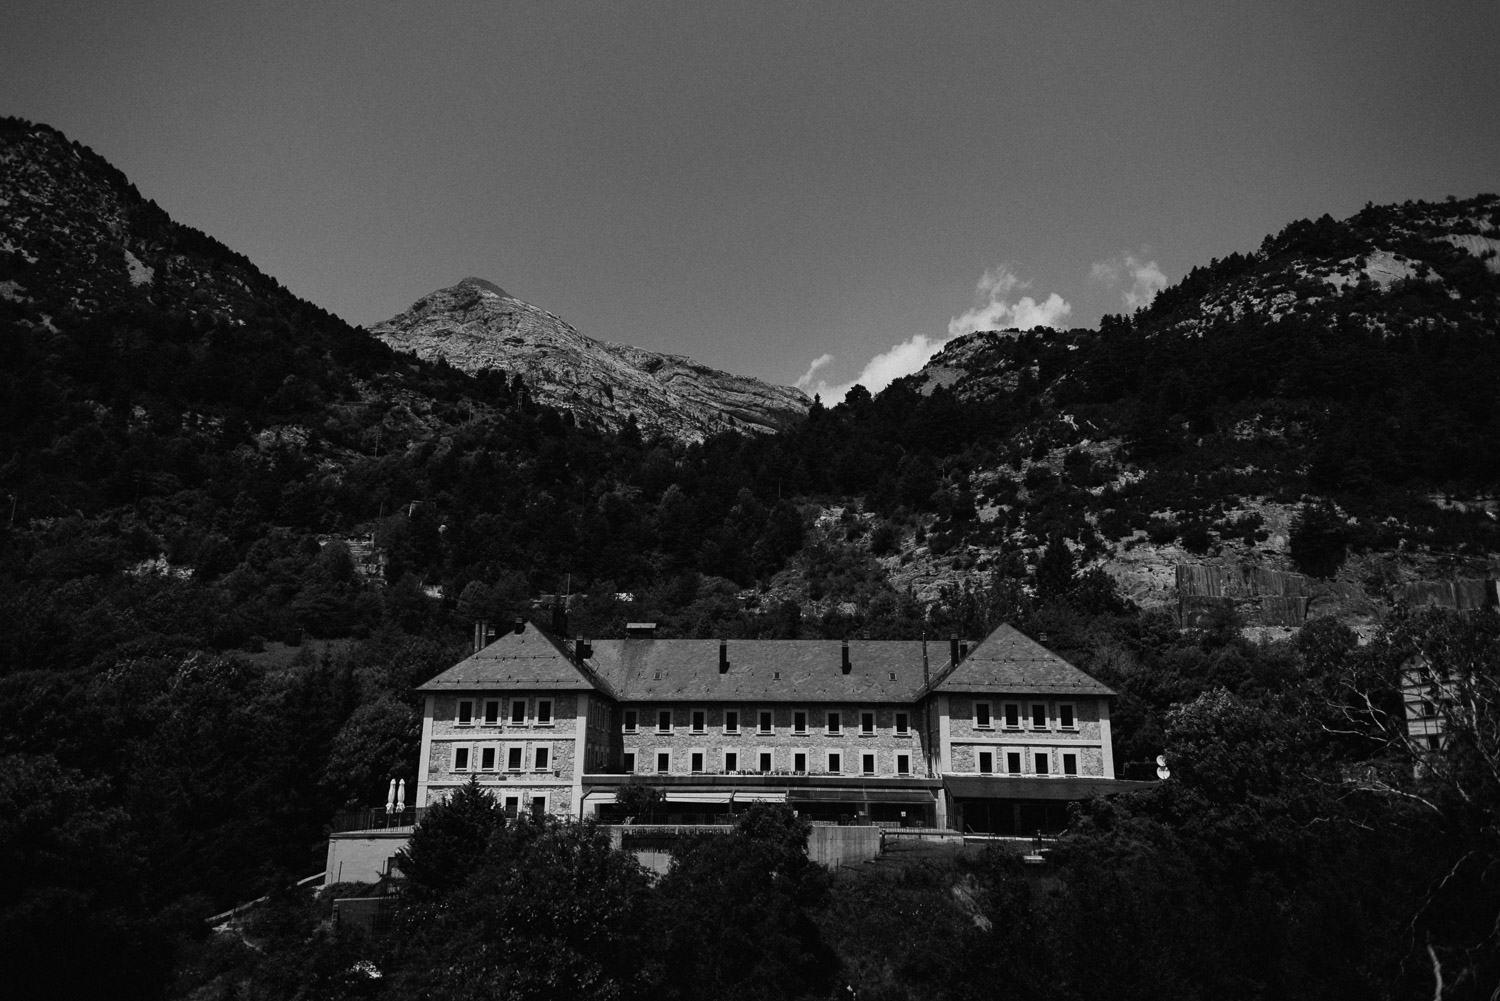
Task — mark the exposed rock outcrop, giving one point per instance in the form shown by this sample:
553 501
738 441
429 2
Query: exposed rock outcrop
477 325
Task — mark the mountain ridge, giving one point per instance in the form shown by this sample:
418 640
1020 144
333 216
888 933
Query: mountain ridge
476 325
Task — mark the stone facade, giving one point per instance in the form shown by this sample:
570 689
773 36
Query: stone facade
711 724
814 741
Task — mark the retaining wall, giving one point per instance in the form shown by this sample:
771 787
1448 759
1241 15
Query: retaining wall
362 856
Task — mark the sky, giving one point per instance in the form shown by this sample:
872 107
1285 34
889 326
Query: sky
811 193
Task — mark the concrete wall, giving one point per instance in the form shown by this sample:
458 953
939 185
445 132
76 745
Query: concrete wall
362 856
835 846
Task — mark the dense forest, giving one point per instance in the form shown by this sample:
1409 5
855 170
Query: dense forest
197 670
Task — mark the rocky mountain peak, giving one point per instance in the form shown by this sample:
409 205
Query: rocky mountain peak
476 325
486 285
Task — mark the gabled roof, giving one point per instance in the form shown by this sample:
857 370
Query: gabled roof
764 670
1010 662
525 660
653 670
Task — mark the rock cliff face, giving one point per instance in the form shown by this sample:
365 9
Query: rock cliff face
476 325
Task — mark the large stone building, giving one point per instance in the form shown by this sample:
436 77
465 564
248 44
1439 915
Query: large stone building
997 738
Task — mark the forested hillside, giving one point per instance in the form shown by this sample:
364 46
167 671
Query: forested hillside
237 531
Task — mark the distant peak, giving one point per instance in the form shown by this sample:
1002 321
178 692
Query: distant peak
488 286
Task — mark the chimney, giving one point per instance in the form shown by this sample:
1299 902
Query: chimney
846 666
481 633
723 656
582 649
953 649
963 650
520 624
926 671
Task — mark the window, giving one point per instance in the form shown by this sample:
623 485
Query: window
543 712
632 720
1070 764
731 721
1434 742
538 806
835 724
695 762
765 722
699 720
513 758
1043 767
1012 716
1039 715
486 759
1065 717
799 762
986 762
982 715
835 762
799 722
518 712
491 712
663 761
465 712
731 762
543 756
867 724
903 724
903 764
627 762
663 721
512 805
1013 762
867 764
765 762
460 759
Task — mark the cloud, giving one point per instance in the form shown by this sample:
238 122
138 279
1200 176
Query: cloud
807 377
1144 277
992 310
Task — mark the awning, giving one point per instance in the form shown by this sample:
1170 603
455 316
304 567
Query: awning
1071 787
758 796
916 797
699 797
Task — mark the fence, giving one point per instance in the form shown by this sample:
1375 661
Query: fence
376 820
